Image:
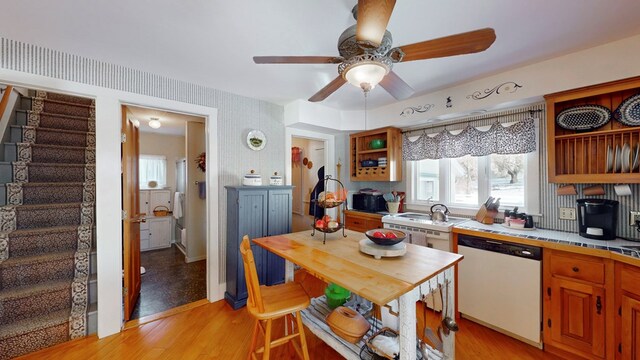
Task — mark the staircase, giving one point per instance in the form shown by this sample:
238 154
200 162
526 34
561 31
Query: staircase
47 197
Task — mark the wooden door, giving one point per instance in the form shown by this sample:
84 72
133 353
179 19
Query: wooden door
578 316
131 215
630 328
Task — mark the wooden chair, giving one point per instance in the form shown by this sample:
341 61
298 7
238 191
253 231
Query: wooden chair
267 303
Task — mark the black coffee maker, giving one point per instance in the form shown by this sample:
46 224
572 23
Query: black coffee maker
597 218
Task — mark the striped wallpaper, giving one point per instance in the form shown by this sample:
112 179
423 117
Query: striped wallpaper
237 115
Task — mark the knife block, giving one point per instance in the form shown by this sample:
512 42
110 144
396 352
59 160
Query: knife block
486 216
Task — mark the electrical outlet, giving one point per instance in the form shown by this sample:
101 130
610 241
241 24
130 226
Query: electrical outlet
633 217
567 213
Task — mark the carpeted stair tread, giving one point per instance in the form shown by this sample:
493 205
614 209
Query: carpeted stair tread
50 192
62 97
36 323
43 230
28 242
23 291
60 101
53 172
52 136
31 270
45 153
49 206
34 300
61 131
60 107
56 121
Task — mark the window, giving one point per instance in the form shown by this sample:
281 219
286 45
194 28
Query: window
152 168
471 180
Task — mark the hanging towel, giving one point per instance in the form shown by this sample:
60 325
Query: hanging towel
177 205
202 189
183 237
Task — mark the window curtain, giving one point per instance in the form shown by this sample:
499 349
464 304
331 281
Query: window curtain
152 168
517 138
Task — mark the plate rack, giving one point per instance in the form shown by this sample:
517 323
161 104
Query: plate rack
594 156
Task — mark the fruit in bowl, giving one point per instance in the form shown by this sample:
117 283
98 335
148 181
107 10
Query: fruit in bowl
386 237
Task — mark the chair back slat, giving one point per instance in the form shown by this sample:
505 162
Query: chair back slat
254 299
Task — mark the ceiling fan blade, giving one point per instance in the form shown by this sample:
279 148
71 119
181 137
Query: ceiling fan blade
297 59
396 86
373 17
328 90
464 43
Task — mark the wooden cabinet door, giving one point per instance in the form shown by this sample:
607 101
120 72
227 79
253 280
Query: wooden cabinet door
159 232
630 328
159 198
578 316
144 203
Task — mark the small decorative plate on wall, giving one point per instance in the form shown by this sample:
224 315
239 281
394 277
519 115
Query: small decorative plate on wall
583 117
256 140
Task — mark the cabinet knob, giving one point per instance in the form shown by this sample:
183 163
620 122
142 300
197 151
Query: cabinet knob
575 269
598 305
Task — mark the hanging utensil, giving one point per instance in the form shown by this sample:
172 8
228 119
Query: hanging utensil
448 323
435 340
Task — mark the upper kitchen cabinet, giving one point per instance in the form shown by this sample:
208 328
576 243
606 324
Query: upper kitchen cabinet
583 145
376 155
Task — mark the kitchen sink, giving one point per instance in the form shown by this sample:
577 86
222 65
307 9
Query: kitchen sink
412 216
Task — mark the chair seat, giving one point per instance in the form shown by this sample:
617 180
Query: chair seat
280 300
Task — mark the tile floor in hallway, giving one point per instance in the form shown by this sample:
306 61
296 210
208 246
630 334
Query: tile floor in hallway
169 281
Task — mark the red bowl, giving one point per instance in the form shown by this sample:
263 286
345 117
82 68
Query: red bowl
400 236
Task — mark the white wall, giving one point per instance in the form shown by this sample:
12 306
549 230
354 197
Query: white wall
170 146
195 207
608 62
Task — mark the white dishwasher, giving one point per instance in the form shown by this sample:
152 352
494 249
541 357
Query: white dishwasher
499 286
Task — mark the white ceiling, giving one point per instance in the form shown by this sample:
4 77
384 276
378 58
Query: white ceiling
172 123
212 42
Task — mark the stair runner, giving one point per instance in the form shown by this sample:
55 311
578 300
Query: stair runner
46 226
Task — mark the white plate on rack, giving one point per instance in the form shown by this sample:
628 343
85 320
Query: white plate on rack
626 151
618 160
609 158
636 159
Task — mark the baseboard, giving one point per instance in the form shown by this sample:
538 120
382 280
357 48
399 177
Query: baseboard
193 259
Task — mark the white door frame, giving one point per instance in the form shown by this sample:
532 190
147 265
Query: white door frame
109 193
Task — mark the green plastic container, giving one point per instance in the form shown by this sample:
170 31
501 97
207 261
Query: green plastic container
336 295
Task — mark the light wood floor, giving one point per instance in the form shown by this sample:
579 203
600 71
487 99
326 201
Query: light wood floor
215 331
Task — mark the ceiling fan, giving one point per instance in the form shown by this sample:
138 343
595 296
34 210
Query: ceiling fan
366 56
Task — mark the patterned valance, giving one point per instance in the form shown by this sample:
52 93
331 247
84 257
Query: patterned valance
518 138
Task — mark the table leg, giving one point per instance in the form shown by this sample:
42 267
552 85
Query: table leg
288 271
449 342
408 325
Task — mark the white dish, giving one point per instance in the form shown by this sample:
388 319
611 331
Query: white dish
626 151
256 140
636 158
609 158
618 161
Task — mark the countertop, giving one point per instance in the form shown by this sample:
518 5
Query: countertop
559 240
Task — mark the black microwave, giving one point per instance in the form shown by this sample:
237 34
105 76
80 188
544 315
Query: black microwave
369 203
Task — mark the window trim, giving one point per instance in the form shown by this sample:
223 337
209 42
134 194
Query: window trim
532 181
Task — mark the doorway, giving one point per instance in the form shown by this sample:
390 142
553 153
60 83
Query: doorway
307 161
171 202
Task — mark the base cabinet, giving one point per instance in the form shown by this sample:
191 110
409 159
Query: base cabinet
256 211
361 221
155 233
628 307
575 303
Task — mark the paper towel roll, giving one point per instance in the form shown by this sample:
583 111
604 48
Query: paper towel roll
622 190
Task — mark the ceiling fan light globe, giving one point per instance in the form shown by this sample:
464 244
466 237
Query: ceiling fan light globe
154 124
370 73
